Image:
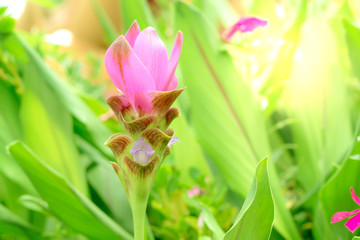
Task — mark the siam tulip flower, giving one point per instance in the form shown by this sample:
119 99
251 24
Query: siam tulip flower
139 67
246 24
354 222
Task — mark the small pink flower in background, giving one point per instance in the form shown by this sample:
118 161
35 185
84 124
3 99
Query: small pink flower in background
138 65
246 24
195 191
354 222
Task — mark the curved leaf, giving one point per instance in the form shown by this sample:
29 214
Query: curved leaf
256 217
64 200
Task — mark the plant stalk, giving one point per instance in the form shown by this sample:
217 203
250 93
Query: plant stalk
138 208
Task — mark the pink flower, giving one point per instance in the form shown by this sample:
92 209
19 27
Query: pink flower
138 65
195 191
354 222
246 24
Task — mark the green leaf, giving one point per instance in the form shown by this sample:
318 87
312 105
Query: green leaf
16 181
218 11
109 30
7 24
214 99
353 43
3 9
226 118
64 200
335 197
34 203
136 10
210 221
13 225
87 124
256 217
42 115
188 153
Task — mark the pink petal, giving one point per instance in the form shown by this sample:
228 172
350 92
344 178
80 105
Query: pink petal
354 197
143 102
247 24
132 33
125 69
153 54
353 223
342 215
173 84
173 61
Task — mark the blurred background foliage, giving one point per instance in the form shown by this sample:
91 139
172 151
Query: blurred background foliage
287 93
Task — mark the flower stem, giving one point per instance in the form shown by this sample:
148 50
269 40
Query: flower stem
138 208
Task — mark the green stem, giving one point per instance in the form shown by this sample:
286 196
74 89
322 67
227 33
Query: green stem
138 208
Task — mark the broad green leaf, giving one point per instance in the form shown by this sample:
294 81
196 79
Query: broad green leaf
15 181
43 116
136 10
188 153
64 200
256 217
226 117
213 85
12 225
109 31
10 130
87 124
353 42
